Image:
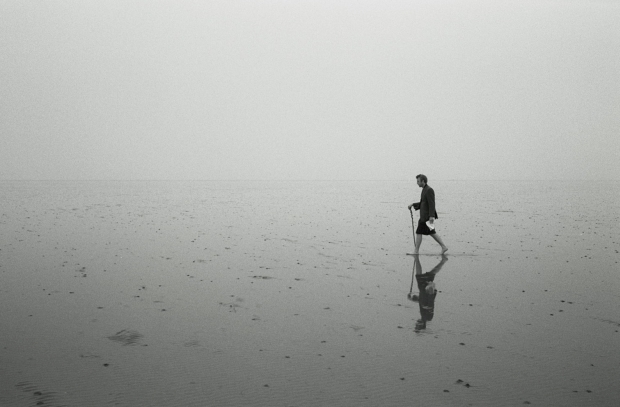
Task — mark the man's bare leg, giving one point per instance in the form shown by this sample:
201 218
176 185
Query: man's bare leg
444 248
418 242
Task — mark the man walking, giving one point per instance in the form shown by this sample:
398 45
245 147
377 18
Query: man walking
427 214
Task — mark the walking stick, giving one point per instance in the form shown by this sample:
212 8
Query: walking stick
412 226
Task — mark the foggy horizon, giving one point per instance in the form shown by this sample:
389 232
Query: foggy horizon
313 90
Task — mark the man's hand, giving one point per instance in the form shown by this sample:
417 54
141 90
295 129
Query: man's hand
431 219
410 207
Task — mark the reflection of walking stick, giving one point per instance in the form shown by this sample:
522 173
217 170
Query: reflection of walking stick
412 226
411 295
412 278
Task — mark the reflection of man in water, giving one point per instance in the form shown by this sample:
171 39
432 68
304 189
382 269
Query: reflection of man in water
428 291
427 214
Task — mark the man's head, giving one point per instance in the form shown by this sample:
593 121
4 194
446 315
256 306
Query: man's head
421 180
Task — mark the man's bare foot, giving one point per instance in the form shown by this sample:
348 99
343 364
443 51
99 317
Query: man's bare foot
445 249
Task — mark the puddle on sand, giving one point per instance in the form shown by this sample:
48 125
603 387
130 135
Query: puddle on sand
126 337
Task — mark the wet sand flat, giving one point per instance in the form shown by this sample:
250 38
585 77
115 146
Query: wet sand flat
296 294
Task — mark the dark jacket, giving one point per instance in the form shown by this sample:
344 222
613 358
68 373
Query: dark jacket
427 204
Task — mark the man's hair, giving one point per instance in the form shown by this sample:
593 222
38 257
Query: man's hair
422 177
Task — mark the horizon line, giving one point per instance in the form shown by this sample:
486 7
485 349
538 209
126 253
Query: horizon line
298 179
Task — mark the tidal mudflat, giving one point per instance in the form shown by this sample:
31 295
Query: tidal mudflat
297 294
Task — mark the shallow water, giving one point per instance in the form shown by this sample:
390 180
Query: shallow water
296 294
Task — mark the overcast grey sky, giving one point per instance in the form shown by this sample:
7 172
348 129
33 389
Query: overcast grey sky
309 89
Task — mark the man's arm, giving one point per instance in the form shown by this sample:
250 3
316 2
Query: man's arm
430 199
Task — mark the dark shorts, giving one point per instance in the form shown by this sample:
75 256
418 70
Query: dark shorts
423 229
